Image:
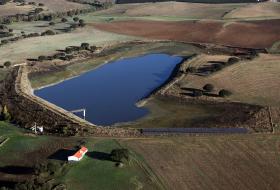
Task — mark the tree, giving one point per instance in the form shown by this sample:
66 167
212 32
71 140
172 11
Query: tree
5 114
64 20
118 155
76 19
7 64
208 87
82 23
85 45
224 93
42 58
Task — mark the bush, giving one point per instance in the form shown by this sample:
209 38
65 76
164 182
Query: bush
41 5
51 23
7 64
197 93
208 87
118 155
224 93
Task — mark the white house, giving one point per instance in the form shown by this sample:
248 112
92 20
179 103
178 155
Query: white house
78 155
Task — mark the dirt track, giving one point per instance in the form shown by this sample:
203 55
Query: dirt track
254 34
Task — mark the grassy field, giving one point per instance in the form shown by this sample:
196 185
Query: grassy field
95 171
179 114
100 173
250 81
47 45
213 162
12 9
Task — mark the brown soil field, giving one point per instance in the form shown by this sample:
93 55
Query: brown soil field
253 34
213 162
251 81
267 9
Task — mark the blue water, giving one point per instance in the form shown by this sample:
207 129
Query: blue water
109 93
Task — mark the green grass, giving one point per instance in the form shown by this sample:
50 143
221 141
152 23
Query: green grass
103 174
17 144
165 113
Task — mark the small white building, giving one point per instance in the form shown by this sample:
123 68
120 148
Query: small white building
78 155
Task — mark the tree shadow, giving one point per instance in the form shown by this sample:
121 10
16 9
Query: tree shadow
31 59
17 170
62 154
7 184
99 155
210 94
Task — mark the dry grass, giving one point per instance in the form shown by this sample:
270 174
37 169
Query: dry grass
12 9
255 81
213 162
176 9
47 45
60 5
267 9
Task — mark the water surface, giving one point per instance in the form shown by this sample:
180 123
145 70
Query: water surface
109 93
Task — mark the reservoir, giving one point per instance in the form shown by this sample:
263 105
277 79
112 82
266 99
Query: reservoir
110 92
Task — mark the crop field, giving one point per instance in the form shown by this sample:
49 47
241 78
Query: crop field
213 162
258 34
252 81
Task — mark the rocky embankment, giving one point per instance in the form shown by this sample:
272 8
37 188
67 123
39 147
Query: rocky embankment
27 109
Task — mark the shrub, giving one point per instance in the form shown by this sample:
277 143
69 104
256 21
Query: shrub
41 5
118 155
232 60
11 30
224 93
7 64
208 87
197 93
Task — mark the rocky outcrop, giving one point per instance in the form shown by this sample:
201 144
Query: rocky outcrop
28 109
